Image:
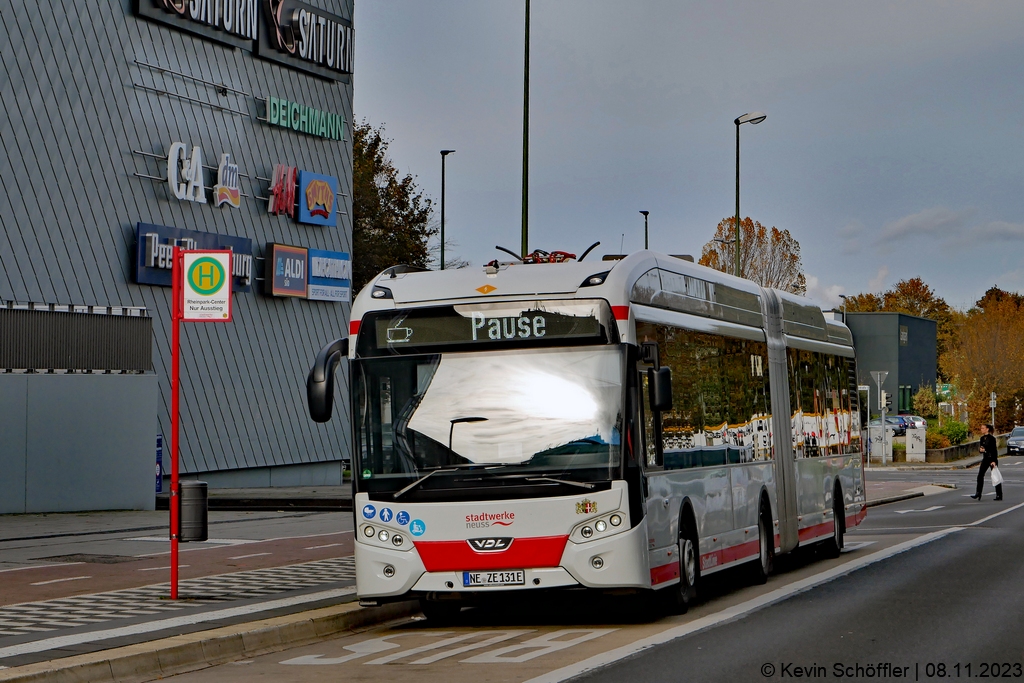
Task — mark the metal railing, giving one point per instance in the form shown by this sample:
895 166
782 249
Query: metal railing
38 337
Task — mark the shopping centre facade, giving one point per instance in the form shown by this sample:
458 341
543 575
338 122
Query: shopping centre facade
133 126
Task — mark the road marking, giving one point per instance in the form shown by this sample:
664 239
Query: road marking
70 578
933 507
41 566
242 557
318 547
850 546
741 610
156 569
218 541
539 646
173 622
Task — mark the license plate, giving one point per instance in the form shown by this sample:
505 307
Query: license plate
507 578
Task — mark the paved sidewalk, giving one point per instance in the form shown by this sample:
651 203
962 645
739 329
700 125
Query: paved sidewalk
275 498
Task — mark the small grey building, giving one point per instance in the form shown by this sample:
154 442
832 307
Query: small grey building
904 345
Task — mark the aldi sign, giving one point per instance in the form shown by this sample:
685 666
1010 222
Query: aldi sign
330 276
286 273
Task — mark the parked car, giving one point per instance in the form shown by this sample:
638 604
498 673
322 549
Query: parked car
894 422
1015 442
916 421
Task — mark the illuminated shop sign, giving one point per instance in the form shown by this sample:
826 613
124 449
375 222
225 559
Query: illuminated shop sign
286 273
232 22
282 191
226 190
304 37
330 276
154 248
299 117
317 194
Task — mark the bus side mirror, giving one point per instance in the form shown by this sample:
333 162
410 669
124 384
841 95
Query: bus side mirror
661 389
320 383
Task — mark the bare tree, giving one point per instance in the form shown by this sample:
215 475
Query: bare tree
768 256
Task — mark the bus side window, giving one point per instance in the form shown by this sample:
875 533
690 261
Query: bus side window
652 456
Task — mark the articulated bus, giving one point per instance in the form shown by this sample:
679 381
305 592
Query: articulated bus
631 424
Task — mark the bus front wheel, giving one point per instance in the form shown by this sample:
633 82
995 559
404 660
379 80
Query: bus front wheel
765 563
689 569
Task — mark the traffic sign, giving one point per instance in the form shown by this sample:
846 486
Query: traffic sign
206 290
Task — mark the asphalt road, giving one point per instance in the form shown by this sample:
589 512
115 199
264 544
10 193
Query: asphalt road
928 588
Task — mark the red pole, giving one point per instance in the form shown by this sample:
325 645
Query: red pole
175 330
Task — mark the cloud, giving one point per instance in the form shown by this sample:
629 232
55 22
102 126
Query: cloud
826 295
852 236
999 230
877 283
934 222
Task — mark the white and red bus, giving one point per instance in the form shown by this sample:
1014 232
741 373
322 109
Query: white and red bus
629 424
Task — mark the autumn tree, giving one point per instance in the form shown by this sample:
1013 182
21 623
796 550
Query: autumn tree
391 217
925 404
768 256
864 303
987 356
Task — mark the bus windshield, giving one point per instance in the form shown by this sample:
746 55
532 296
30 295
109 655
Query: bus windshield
494 419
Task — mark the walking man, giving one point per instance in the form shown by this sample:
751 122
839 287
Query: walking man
989 459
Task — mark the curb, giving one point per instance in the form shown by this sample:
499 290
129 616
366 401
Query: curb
193 651
879 501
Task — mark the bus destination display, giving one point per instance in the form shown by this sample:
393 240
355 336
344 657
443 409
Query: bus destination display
433 327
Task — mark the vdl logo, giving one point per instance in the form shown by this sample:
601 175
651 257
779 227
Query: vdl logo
206 276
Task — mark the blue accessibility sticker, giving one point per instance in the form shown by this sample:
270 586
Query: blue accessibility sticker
402 518
417 527
386 514
369 511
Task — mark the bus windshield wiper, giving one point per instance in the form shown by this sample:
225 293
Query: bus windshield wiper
436 470
581 484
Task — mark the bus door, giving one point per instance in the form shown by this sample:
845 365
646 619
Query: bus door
660 531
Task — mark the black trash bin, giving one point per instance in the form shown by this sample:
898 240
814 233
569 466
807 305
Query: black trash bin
192 497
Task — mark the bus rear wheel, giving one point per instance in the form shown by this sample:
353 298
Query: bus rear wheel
834 546
765 563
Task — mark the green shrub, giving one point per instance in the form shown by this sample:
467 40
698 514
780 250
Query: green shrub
936 440
899 446
955 431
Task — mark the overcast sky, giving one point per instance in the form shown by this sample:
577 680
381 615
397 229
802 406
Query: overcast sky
892 149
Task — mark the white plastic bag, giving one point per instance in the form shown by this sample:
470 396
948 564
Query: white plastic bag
997 476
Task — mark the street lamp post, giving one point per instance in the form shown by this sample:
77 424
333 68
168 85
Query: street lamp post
844 297
646 246
754 118
444 153
526 137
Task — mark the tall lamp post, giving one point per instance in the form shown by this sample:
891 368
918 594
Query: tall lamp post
754 118
526 136
844 298
645 229
444 153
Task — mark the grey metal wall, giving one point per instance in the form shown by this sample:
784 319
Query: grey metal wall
919 358
73 442
70 118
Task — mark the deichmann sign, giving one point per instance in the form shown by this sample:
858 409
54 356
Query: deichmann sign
330 276
287 272
206 291
299 117
154 250
307 38
289 32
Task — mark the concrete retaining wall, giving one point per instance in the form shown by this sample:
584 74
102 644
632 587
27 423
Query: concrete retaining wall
73 442
967 449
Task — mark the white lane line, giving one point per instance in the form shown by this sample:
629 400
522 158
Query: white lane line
70 578
749 606
242 557
318 547
933 507
174 622
156 569
218 541
41 566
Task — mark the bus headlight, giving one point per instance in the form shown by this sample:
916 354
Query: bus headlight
397 539
368 531
586 532
616 520
600 526
383 535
